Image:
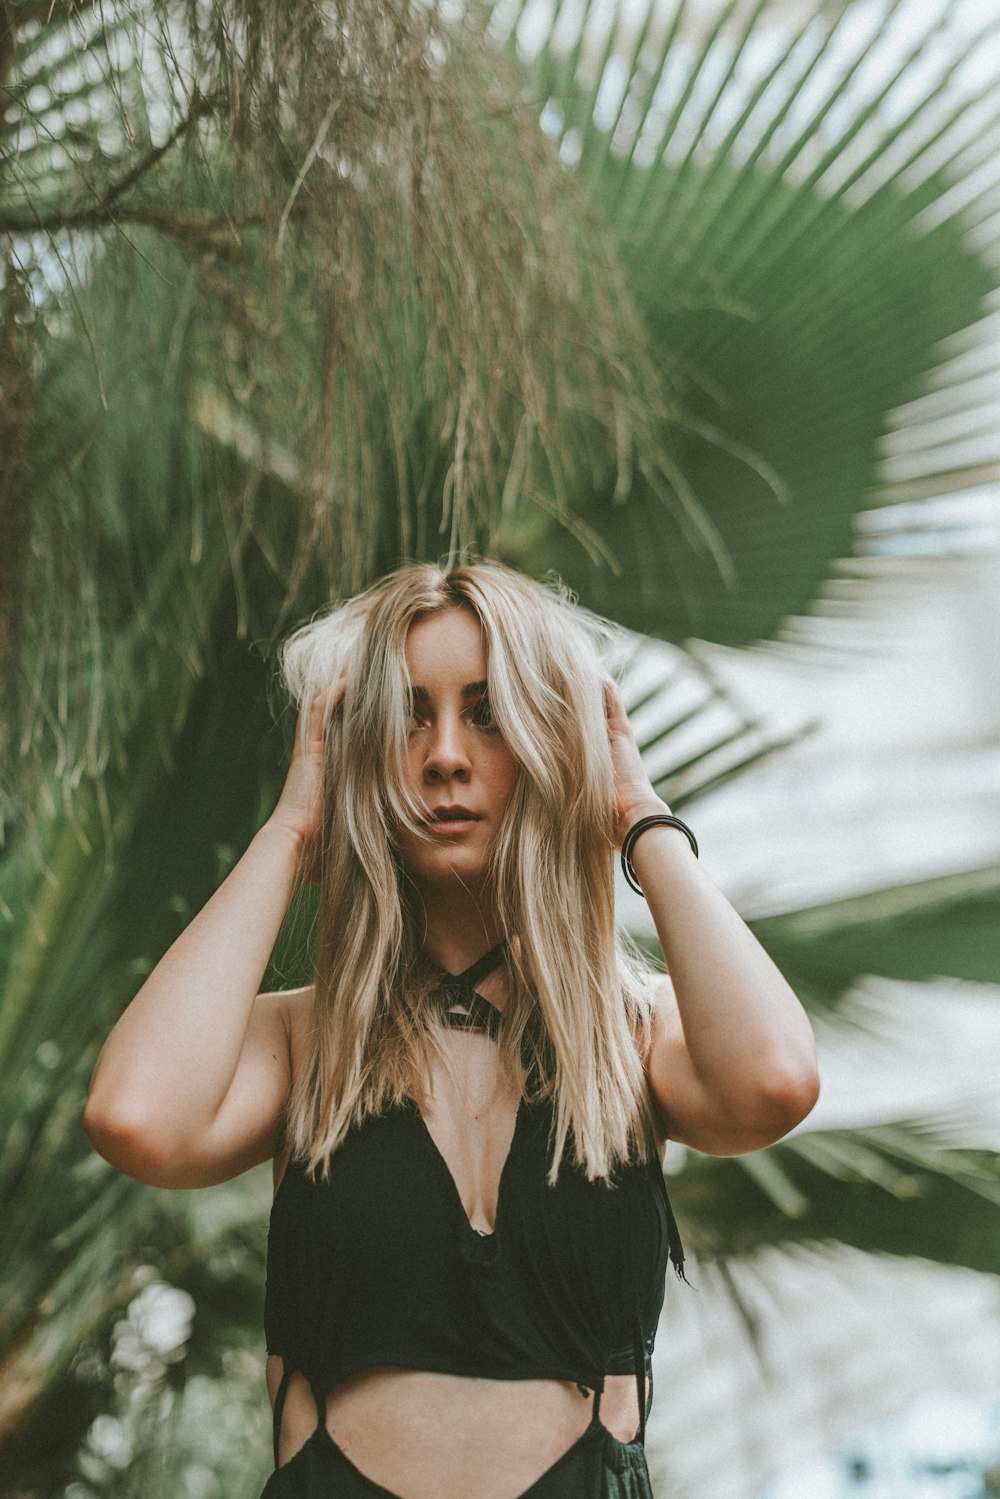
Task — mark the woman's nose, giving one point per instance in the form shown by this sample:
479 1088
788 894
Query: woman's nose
447 751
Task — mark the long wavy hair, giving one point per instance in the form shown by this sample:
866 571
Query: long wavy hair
578 1016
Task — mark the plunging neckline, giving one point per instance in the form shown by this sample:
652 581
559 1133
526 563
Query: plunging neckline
477 1014
481 1236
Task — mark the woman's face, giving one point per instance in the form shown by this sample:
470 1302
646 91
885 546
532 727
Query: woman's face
459 768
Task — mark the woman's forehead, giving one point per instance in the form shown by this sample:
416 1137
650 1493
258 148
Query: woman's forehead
445 646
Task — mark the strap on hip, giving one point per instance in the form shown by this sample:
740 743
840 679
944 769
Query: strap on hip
279 1407
639 1354
279 1404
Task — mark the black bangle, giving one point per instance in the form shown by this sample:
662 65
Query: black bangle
661 819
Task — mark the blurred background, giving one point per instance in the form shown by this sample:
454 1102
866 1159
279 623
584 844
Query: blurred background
694 304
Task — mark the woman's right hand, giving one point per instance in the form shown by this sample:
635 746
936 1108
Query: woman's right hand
300 805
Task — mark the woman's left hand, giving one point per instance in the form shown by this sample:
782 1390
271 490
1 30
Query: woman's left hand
634 794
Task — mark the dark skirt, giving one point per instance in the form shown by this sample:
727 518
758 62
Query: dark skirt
597 1466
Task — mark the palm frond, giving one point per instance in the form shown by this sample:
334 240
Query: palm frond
88 914
695 734
898 1157
798 1349
941 927
803 210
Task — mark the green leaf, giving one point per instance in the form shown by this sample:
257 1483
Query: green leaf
803 276
943 927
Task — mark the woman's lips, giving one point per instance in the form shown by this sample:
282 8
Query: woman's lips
445 827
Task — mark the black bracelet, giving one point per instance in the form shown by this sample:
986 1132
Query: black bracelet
660 819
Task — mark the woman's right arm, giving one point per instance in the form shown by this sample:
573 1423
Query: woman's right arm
190 1085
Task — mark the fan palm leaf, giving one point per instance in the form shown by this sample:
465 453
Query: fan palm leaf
797 221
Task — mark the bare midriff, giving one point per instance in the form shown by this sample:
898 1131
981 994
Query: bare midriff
445 1436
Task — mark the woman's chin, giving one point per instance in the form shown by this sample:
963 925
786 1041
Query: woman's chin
448 865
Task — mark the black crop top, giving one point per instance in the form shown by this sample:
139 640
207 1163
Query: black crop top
379 1265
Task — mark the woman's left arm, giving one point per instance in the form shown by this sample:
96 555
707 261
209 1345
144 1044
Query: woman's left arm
732 1063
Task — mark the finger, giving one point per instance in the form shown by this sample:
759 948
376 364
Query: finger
613 705
320 711
317 718
312 713
309 727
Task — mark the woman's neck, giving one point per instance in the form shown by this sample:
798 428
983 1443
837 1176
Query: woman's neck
455 927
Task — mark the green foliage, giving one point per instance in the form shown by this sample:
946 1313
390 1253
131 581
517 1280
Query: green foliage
96 884
260 339
783 226
885 1189
394 320
898 1184
943 927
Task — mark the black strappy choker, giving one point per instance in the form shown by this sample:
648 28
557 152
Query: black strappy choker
476 1014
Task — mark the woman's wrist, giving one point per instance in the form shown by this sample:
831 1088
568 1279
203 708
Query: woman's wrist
651 806
639 839
282 840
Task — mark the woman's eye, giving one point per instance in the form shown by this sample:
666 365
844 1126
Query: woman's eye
483 714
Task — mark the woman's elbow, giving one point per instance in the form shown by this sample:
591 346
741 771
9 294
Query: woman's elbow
129 1140
789 1095
782 1097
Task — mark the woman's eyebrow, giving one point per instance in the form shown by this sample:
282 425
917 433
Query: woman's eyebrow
471 689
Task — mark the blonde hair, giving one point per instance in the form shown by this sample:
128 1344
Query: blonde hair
579 1008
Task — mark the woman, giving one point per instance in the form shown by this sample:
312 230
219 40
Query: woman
467 1109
